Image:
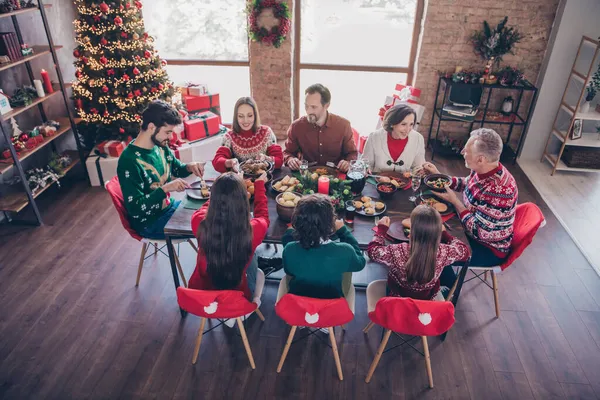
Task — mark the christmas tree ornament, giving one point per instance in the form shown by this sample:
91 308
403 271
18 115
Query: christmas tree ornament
136 36
76 53
118 21
103 41
16 131
110 72
136 71
104 8
124 35
103 60
105 89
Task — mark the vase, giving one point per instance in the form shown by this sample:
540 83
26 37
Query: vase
585 107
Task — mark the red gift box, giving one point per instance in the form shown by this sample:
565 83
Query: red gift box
201 125
31 143
39 139
112 148
6 154
207 102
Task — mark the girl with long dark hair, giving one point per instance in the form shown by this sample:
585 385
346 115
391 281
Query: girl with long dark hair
415 267
228 237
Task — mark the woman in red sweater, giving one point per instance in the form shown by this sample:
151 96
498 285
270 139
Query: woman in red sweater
415 267
247 139
228 237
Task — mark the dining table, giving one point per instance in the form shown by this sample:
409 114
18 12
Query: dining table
398 207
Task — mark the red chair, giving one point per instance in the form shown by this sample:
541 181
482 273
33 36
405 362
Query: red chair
313 313
406 316
114 189
528 219
219 304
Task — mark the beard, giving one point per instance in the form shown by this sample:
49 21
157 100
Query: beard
312 118
164 143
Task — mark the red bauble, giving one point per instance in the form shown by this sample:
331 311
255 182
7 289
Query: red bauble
145 35
76 53
93 110
84 59
121 131
160 86
96 19
147 54
163 62
104 7
137 92
118 21
103 42
106 114
125 77
19 146
128 6
23 137
93 29
137 58
121 7
154 90
110 72
78 74
130 95
105 89
124 35
136 71
138 4
103 60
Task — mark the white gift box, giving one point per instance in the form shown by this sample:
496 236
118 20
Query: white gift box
392 101
101 169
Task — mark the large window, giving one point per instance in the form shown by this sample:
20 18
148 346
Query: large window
204 41
359 49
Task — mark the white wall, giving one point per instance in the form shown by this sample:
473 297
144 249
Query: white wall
579 18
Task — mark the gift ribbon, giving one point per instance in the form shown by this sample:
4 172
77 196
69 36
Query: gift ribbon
98 168
203 118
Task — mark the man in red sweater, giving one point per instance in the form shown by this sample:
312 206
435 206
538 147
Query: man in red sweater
489 200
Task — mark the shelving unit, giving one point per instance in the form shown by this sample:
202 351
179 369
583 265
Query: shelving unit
17 201
482 118
586 58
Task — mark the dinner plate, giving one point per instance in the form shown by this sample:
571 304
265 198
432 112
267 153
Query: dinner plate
330 171
396 231
425 197
249 175
361 211
273 182
396 176
196 194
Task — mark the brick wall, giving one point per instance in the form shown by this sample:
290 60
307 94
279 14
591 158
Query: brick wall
271 81
445 44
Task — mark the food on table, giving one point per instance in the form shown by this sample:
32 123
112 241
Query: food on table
430 201
321 171
406 175
379 205
205 192
406 223
365 199
286 184
440 207
384 179
386 188
314 176
439 183
255 167
369 210
368 204
288 199
358 204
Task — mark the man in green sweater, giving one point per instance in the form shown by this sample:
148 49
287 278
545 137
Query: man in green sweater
146 167
317 266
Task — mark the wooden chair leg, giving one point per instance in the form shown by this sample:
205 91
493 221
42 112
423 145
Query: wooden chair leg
485 276
155 249
191 242
198 340
260 315
368 327
427 361
380 350
288 343
496 299
336 355
179 268
139 274
246 344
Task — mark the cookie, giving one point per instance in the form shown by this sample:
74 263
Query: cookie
379 205
406 223
365 199
369 211
440 207
358 204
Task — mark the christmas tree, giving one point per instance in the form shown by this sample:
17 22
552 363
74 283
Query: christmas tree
117 68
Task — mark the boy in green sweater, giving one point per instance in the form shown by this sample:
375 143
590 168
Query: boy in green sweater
316 266
146 167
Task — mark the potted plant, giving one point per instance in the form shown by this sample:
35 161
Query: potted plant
591 90
493 44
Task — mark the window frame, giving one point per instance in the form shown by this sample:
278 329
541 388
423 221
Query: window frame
298 65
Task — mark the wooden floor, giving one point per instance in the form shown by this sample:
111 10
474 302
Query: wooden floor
574 197
73 326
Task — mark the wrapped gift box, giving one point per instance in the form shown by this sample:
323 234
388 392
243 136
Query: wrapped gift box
203 150
391 101
207 102
408 94
112 148
193 89
201 125
101 168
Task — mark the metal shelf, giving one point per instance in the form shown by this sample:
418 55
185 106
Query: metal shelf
23 11
38 51
18 110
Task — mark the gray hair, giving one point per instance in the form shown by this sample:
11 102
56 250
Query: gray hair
487 143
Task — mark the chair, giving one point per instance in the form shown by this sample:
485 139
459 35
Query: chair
221 305
114 189
313 313
528 219
406 316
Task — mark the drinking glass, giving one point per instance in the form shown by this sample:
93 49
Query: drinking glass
303 168
415 182
350 212
357 174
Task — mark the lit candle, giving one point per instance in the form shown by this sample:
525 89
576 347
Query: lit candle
323 185
47 82
38 88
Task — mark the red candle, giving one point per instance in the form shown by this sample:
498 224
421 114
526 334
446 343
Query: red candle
323 185
47 83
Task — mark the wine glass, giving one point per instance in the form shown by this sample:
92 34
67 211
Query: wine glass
415 182
303 168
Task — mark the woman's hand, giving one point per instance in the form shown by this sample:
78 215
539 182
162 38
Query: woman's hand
232 164
339 224
385 221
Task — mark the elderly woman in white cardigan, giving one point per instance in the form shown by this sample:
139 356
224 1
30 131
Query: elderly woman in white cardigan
396 146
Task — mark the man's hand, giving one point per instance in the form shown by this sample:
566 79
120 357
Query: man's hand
449 196
177 185
384 221
262 177
343 166
293 163
339 224
430 168
232 164
196 168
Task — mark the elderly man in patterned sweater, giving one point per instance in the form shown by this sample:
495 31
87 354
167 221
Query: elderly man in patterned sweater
489 200
146 168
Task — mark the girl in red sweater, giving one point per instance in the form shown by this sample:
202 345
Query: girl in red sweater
247 139
415 267
228 237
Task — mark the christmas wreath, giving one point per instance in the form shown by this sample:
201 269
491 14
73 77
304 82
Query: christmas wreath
261 17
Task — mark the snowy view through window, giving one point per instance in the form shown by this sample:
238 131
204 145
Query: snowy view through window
341 32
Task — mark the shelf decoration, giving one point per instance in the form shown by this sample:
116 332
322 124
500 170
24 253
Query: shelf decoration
39 178
268 21
493 44
510 76
118 70
4 103
26 50
7 6
47 82
39 88
59 162
23 96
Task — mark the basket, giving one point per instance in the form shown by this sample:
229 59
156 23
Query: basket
581 157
